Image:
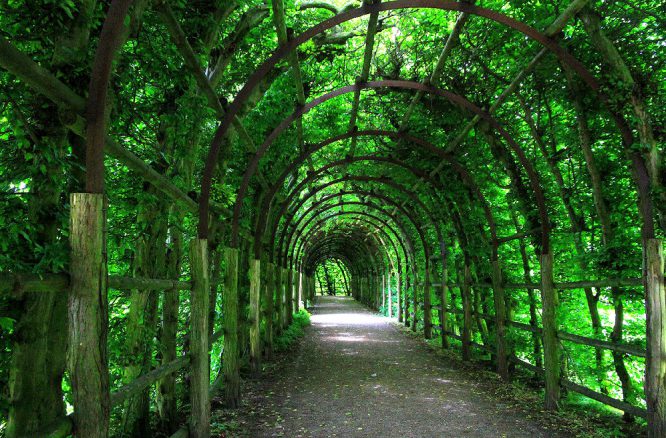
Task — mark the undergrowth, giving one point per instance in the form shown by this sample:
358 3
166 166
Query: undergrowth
293 332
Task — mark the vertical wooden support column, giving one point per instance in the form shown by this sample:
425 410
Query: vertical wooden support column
500 320
467 311
389 294
383 286
289 296
415 301
398 291
444 295
231 351
376 291
269 309
551 354
295 290
279 303
427 306
88 317
443 314
363 289
255 315
200 367
300 296
655 362
405 300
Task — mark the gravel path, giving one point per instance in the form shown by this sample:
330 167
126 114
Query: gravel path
356 375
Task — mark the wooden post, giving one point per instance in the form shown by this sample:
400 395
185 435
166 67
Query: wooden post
383 291
389 293
655 362
415 302
398 292
269 309
551 354
88 318
427 306
231 357
405 300
444 295
467 311
300 296
289 294
279 304
500 320
444 301
200 364
255 316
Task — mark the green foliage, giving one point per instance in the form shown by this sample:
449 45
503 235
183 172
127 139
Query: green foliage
294 332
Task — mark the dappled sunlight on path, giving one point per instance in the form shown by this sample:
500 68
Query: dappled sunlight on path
356 375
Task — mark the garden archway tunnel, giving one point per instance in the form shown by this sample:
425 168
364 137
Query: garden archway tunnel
485 173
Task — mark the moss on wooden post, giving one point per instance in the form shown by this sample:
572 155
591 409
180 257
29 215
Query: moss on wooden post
500 320
415 302
88 316
279 302
383 291
389 294
255 315
427 306
231 351
444 302
269 309
298 291
199 362
655 363
398 293
551 354
465 292
289 295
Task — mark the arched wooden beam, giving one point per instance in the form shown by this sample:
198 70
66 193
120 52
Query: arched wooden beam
381 230
322 221
393 161
361 246
386 199
286 49
398 223
409 85
310 251
386 181
464 174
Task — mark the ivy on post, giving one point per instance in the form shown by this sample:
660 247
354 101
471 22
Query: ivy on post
200 364
269 309
255 315
398 293
231 357
655 363
465 290
279 302
551 354
427 306
289 294
87 311
390 295
415 301
500 320
444 294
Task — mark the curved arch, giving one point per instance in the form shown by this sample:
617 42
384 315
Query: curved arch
386 181
464 174
399 84
287 48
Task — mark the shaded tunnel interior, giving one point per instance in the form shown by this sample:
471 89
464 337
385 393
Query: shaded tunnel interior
487 173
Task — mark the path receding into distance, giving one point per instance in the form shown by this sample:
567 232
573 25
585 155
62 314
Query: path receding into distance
356 375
